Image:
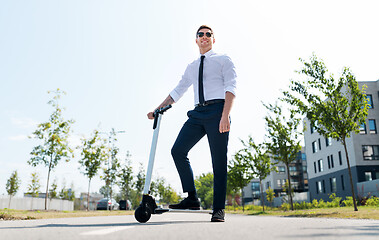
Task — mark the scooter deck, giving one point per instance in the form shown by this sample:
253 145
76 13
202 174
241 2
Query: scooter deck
163 210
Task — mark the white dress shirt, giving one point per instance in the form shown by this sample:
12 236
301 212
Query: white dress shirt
219 76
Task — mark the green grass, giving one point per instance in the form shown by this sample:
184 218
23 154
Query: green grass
364 212
10 214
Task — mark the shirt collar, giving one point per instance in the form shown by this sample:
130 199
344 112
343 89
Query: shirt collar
208 54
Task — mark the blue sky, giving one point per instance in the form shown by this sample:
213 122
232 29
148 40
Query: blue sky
117 60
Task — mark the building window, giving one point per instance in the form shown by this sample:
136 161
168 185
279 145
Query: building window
328 141
372 126
370 152
319 144
362 128
333 185
368 176
320 166
340 157
267 185
369 101
279 183
376 175
314 165
319 187
331 160
342 183
281 169
323 186
313 128
314 147
328 162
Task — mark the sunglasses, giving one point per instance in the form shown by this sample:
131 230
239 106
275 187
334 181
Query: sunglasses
201 34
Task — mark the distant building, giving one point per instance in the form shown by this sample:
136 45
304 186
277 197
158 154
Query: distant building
277 179
40 195
326 158
93 199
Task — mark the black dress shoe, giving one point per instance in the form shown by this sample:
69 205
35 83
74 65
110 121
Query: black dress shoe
187 203
218 215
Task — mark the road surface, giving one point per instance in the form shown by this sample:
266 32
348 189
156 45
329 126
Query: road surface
189 226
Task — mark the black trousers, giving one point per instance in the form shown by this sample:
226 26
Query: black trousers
203 121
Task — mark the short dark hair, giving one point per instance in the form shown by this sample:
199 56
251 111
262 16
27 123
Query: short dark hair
204 27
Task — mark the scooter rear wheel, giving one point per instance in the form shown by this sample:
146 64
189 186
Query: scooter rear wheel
142 214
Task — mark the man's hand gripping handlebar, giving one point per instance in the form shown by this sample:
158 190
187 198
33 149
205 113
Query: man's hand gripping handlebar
157 112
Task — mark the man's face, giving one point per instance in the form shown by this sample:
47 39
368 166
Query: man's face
205 42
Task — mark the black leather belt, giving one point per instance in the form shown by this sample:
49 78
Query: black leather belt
210 102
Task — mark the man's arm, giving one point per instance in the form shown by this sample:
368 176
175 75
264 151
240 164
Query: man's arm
224 122
166 102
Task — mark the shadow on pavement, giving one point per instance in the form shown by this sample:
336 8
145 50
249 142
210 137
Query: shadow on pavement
134 224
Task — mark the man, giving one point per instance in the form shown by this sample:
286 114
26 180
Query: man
214 82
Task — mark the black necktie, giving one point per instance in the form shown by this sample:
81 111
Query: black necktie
201 89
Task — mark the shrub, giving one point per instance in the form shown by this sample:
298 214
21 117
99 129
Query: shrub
285 206
335 201
373 201
348 202
315 203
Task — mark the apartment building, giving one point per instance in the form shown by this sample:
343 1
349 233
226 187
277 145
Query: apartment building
326 158
277 179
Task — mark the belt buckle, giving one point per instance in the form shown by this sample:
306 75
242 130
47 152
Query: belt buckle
202 104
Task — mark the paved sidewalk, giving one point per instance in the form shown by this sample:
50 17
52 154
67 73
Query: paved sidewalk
190 226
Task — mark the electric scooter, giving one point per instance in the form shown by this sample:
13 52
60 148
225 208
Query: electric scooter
148 205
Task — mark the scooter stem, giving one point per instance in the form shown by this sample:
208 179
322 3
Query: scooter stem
150 165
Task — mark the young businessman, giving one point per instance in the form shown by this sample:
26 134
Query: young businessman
213 78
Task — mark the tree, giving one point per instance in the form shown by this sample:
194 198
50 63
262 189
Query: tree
283 134
34 187
67 194
164 192
53 190
104 190
260 162
110 172
270 195
204 187
12 186
240 172
137 187
337 106
54 135
125 176
93 154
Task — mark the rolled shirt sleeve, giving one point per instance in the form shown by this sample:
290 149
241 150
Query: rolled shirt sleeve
230 76
182 86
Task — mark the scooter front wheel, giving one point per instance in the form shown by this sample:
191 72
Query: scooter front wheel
142 214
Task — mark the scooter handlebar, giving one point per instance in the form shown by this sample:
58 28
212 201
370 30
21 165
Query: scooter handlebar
162 110
159 111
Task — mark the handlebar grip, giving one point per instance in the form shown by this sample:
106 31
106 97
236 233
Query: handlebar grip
159 111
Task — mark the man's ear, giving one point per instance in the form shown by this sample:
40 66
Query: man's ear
214 40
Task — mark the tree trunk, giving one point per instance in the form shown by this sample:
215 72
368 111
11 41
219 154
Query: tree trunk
350 176
243 201
289 186
47 184
9 204
110 207
89 184
262 199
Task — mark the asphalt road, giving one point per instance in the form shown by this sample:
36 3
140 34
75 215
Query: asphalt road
189 226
